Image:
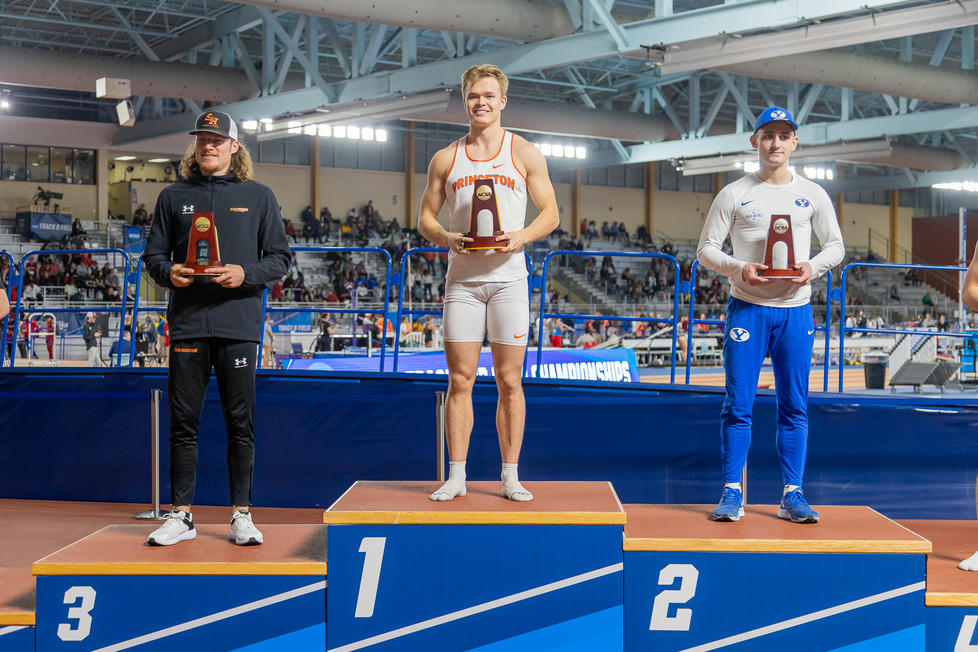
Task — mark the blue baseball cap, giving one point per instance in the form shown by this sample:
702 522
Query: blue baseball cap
775 114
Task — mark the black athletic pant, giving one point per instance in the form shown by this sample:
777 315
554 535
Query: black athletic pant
234 363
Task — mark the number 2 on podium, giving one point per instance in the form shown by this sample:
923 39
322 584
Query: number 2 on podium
661 620
373 549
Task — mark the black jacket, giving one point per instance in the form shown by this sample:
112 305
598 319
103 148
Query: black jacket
250 234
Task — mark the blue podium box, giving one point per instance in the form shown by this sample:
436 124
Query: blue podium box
952 594
205 594
16 638
854 581
475 573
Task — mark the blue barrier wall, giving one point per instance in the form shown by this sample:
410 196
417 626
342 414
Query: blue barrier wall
85 436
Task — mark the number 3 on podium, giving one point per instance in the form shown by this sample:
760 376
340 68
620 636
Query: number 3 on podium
661 620
373 549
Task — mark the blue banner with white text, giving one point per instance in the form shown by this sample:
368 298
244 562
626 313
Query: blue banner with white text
609 365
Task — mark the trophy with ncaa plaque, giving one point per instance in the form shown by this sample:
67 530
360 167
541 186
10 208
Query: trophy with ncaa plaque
202 250
484 220
779 254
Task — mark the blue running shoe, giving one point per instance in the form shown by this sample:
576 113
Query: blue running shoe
731 506
795 508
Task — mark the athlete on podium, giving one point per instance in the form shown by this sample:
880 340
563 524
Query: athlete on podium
486 287
770 216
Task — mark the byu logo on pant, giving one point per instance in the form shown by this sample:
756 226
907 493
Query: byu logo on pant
240 362
739 334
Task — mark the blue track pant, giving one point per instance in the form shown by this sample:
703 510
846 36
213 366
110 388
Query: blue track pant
751 332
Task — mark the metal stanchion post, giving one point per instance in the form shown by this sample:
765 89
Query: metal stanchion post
743 484
154 514
440 435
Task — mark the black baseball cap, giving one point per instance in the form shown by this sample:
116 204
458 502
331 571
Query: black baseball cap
215 122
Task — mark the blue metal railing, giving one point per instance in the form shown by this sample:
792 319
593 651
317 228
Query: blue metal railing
675 301
352 309
401 283
11 280
121 309
843 329
827 328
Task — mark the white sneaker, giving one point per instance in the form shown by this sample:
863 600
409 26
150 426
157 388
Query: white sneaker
243 530
177 526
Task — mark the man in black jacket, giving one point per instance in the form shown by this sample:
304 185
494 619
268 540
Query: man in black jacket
214 320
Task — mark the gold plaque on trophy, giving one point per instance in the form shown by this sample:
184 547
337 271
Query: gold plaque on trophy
202 249
779 254
484 218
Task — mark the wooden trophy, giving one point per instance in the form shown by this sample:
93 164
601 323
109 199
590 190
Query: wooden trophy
202 249
779 254
484 220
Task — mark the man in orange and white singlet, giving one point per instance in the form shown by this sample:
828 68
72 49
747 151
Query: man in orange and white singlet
486 289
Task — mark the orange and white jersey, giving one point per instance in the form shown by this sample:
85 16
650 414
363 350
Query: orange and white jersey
510 185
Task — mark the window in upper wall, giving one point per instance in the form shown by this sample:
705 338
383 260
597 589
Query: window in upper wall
14 165
61 165
38 163
83 166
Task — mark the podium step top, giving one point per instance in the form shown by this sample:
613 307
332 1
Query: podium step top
16 596
122 550
554 503
948 585
841 529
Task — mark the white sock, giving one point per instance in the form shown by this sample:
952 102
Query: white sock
512 488
970 564
455 485
788 488
732 485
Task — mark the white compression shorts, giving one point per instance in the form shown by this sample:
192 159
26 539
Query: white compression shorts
471 308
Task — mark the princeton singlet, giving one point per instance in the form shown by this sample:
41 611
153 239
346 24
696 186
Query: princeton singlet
510 185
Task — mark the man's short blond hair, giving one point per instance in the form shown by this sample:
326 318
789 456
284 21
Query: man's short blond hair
475 73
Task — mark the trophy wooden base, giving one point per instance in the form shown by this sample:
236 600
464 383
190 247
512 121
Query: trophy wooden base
780 273
198 270
485 242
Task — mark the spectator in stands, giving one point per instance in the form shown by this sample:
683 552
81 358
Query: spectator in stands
306 216
369 210
32 294
49 328
324 342
77 228
91 334
145 340
928 322
894 293
942 324
926 299
606 231
622 232
584 231
289 230
428 332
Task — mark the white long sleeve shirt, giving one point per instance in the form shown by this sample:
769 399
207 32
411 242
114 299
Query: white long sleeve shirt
743 210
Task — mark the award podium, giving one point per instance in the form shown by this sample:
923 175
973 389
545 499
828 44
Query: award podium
484 219
779 253
202 249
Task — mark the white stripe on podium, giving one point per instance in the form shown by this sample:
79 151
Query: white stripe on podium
807 618
480 608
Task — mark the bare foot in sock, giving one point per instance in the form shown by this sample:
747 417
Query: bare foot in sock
970 564
449 490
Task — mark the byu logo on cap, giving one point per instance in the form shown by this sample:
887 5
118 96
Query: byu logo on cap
739 334
779 115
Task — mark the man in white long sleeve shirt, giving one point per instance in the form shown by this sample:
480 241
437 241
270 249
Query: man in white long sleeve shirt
768 314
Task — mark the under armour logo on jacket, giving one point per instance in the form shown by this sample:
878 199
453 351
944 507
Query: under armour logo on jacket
188 208
240 362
